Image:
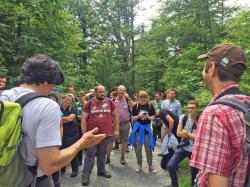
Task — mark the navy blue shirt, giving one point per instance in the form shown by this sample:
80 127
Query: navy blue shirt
70 128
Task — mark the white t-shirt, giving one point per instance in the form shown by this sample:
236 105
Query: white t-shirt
188 127
41 123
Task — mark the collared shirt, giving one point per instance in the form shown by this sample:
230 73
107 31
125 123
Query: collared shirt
174 106
220 144
122 109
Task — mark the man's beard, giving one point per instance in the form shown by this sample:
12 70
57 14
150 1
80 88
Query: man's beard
100 98
207 84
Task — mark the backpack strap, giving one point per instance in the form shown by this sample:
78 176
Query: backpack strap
184 120
23 100
110 102
128 106
233 103
90 103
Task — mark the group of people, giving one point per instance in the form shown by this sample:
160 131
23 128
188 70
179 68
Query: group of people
215 142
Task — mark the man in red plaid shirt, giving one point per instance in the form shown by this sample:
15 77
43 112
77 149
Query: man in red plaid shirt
220 148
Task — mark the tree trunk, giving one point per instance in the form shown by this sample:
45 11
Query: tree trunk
132 48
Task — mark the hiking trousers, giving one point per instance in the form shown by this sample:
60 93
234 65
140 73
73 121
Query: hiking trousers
98 151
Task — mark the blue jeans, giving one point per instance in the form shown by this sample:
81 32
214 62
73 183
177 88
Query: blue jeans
178 156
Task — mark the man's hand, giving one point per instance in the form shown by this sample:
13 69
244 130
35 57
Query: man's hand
185 133
89 139
116 134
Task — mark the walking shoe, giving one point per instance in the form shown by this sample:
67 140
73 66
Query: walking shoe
73 174
107 160
58 185
123 160
138 168
116 147
151 169
106 174
85 180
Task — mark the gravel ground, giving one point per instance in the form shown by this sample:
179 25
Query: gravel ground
124 175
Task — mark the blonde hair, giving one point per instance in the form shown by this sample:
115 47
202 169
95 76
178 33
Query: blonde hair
71 95
143 93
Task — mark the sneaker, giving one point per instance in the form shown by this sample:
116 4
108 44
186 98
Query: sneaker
151 169
138 168
85 180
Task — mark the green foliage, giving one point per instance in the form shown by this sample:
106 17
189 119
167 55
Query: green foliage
184 174
94 42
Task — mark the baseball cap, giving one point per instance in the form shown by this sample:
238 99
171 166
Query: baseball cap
227 56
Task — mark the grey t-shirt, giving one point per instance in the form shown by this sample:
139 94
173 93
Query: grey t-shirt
188 127
41 123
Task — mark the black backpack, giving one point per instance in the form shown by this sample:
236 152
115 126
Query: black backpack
245 108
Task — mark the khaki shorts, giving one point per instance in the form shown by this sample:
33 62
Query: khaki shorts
124 131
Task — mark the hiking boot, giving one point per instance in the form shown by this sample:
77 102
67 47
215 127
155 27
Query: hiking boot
138 168
151 169
73 174
123 162
106 174
58 185
85 180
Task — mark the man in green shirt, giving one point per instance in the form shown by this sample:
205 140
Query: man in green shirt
157 122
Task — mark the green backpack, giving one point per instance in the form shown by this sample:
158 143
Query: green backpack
13 171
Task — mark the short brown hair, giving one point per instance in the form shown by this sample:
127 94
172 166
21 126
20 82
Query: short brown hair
169 90
97 86
81 93
194 102
2 75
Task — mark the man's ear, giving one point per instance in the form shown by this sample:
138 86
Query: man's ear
213 69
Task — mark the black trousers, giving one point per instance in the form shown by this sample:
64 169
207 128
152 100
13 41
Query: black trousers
79 155
67 141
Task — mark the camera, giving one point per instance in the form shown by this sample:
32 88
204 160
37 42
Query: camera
184 142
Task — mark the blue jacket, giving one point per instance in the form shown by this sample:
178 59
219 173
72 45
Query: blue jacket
142 128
